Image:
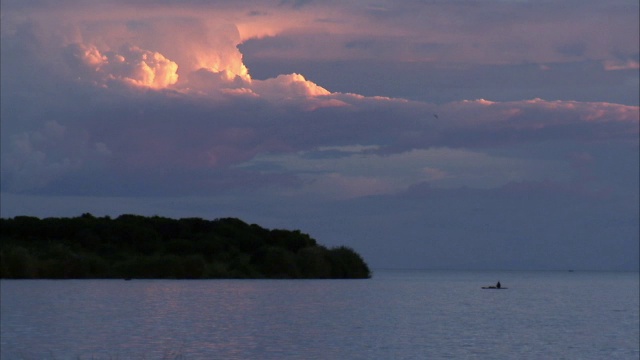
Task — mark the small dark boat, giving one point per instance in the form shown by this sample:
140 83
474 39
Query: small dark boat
498 286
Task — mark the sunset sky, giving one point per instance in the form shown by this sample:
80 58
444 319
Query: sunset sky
495 134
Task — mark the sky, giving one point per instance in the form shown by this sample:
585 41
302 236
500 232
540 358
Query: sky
460 134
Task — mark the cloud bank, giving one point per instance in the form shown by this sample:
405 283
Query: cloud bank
155 105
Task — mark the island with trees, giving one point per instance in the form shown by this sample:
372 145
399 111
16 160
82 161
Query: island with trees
139 247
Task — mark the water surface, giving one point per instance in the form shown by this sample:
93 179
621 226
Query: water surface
394 315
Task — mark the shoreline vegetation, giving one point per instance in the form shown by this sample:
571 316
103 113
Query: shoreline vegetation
139 247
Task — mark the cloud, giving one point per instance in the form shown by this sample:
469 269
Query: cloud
195 46
342 186
156 108
130 65
276 121
38 158
613 65
200 57
494 32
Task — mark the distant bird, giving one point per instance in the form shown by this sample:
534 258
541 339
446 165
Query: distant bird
435 116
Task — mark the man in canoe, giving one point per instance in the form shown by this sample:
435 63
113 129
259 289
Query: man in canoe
496 286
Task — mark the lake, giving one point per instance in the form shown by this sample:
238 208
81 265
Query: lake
394 315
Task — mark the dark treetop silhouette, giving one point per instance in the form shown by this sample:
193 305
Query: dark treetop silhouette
132 246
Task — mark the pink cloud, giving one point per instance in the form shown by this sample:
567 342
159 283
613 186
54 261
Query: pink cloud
613 65
205 111
542 117
206 62
153 108
447 32
131 65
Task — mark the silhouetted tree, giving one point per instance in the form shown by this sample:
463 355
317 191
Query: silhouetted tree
133 246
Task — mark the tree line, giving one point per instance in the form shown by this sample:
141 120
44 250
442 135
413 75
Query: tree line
134 246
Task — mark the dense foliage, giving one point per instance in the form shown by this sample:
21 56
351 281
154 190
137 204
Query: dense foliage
133 246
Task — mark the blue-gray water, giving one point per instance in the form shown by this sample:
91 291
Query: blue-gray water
394 315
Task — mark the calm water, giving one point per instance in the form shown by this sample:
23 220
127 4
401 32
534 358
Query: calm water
395 315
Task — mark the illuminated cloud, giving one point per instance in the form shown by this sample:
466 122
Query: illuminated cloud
131 65
281 111
213 71
195 46
613 65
